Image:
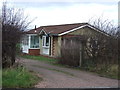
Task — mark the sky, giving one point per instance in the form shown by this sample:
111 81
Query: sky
55 12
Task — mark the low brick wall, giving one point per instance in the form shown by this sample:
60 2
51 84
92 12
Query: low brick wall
34 51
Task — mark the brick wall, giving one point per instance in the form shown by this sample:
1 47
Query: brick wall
53 46
34 51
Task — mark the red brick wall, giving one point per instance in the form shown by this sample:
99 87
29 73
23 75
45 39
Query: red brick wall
53 46
34 51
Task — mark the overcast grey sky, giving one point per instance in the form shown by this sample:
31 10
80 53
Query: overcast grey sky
52 12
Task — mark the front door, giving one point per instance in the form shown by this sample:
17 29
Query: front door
46 45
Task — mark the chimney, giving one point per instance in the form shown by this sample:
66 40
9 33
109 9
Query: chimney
35 27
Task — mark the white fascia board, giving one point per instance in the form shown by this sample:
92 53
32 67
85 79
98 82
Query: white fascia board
80 28
43 31
72 30
98 30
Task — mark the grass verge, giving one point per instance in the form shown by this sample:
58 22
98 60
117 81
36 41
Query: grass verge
19 78
109 71
40 58
0 78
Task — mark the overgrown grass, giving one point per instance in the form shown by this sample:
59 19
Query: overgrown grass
110 71
40 58
18 78
0 78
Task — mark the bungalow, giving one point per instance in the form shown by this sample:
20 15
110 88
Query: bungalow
47 40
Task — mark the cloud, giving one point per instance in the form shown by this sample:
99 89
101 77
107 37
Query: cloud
63 1
75 13
49 12
48 3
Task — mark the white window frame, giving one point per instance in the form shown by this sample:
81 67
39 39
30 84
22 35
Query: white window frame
30 41
44 42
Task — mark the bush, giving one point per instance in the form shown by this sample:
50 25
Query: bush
13 25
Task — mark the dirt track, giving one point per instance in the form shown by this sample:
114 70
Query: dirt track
59 77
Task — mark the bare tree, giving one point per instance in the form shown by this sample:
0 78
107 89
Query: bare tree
99 50
104 25
13 25
103 48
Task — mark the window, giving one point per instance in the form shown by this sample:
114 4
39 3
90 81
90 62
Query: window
45 41
34 42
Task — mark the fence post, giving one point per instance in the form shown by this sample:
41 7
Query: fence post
80 61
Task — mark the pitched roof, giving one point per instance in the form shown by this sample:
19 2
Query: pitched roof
62 29
56 29
34 31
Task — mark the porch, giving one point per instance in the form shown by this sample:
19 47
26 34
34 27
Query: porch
33 44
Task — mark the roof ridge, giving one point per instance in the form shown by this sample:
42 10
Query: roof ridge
64 24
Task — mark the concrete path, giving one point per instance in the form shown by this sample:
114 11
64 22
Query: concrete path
60 77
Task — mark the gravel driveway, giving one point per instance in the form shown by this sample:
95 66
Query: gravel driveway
60 77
